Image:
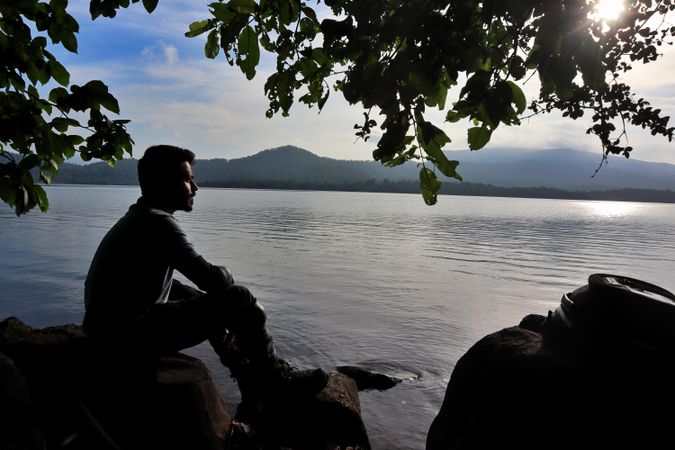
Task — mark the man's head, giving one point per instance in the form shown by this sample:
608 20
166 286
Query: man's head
165 176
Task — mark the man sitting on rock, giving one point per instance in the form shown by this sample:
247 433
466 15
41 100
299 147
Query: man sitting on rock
133 302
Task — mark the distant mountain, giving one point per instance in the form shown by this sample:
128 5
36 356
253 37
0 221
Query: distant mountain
563 168
290 163
282 164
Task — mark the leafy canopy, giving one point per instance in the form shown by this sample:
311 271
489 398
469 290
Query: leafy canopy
47 126
396 58
399 58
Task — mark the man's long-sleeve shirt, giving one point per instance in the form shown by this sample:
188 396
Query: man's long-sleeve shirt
133 268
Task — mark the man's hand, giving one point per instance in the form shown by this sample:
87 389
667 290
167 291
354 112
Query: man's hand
228 275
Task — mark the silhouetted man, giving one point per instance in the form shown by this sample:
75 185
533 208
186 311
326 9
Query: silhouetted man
133 302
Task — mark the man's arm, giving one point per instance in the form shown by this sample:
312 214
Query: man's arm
208 277
183 257
180 291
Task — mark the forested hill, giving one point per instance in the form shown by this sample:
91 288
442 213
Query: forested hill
294 168
282 164
297 165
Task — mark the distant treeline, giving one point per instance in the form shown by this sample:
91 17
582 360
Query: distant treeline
465 188
296 169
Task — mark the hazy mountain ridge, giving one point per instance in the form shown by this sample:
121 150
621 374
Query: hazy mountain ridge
567 169
562 168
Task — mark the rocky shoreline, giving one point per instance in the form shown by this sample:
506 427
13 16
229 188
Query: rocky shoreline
525 387
59 392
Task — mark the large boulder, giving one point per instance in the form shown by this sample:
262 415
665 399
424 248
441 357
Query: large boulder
331 420
18 423
524 387
85 399
61 390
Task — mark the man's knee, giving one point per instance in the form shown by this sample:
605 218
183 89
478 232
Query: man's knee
252 311
228 279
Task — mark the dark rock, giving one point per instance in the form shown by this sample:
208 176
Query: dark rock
365 379
18 423
84 397
533 322
330 420
87 400
519 388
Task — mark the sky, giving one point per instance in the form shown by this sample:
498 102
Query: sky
174 95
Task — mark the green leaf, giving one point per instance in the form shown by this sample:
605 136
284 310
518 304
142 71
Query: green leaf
197 28
43 74
7 192
309 12
248 48
319 56
44 105
57 93
93 93
58 72
42 200
518 97
22 201
307 66
429 185
453 116
478 137
308 28
447 167
95 9
110 103
73 140
222 12
69 41
62 124
432 139
212 47
404 156
322 101
29 162
242 6
32 73
150 5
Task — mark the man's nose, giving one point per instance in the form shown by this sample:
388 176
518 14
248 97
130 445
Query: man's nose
195 188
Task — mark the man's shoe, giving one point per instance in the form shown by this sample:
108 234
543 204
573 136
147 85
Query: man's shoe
242 436
250 410
291 381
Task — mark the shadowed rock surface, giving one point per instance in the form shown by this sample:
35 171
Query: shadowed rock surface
526 387
365 379
18 424
332 420
85 399
59 391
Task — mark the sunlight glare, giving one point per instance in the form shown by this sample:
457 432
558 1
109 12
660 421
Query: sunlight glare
607 10
610 209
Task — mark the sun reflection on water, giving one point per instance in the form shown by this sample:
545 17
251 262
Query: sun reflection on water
609 208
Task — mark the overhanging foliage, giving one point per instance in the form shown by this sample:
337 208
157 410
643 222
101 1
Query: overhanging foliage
396 58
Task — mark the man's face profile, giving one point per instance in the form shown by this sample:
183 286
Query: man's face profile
182 189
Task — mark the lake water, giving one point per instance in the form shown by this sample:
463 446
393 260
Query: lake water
378 280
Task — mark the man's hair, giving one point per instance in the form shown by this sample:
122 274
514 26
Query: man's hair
158 163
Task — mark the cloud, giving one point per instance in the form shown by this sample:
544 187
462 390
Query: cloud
171 54
169 20
198 102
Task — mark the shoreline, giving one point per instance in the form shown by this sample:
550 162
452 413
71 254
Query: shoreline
464 189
